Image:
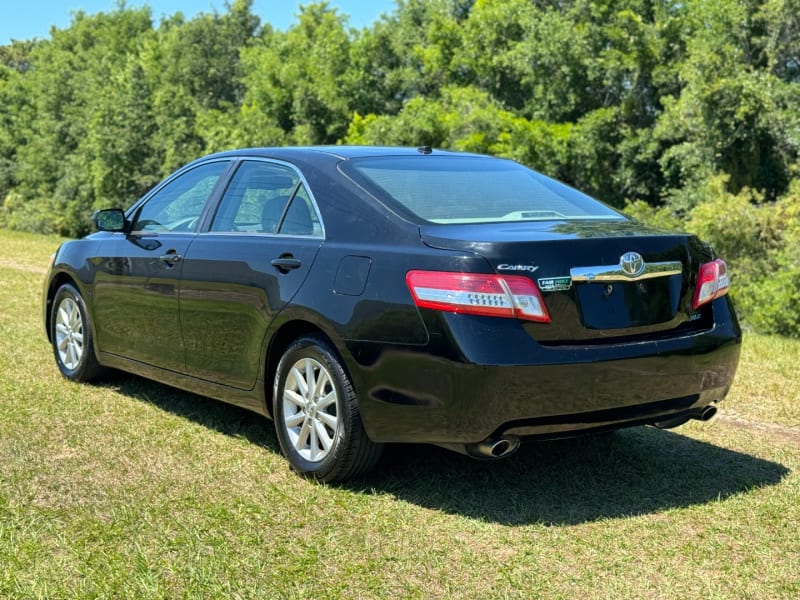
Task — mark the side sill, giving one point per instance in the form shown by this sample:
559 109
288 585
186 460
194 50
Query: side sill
250 400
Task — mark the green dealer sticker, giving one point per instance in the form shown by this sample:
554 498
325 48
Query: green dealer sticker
555 284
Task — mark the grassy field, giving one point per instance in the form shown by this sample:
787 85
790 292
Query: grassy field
132 489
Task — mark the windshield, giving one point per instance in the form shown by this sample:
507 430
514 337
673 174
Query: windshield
472 189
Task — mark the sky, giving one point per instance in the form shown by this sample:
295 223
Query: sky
33 18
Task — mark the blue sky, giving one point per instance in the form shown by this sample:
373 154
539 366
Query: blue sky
33 18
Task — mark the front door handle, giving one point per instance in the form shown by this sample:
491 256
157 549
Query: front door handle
286 263
171 258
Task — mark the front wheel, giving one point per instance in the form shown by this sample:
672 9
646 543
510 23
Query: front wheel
316 414
71 336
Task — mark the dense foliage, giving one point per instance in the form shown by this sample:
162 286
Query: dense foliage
687 113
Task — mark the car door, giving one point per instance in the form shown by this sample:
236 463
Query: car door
240 273
135 302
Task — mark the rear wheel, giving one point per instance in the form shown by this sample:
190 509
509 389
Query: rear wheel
71 336
316 414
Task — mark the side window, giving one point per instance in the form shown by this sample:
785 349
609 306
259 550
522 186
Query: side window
256 198
177 205
301 218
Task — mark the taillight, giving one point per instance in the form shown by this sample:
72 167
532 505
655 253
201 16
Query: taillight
509 296
712 283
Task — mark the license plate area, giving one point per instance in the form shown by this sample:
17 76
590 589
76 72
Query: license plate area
623 304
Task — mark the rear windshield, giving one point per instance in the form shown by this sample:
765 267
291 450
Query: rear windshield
469 189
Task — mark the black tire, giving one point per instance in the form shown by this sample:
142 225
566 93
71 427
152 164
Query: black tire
71 336
320 431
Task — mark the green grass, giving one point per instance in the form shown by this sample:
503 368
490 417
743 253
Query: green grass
132 489
766 387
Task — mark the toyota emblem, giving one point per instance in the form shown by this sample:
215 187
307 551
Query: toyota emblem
632 264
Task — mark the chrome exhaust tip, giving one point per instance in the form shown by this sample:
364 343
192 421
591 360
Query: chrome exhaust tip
705 413
495 447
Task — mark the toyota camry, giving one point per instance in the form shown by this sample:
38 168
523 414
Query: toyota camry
359 296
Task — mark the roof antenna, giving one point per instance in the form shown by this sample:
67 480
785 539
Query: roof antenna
425 150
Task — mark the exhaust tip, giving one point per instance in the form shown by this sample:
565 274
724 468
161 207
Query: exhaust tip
494 448
699 414
707 413
500 448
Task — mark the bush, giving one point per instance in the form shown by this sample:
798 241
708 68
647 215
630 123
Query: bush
771 302
760 241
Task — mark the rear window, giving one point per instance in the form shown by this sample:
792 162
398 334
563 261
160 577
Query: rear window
468 189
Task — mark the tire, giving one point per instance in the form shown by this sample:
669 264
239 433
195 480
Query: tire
71 336
319 426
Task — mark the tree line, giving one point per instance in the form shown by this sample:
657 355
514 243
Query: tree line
683 113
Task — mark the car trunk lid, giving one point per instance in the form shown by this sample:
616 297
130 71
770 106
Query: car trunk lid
603 281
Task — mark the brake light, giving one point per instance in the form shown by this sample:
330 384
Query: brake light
712 283
510 296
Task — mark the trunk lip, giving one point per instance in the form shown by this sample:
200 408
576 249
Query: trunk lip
468 236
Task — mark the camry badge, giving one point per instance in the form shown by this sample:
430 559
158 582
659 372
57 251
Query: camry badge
632 264
507 267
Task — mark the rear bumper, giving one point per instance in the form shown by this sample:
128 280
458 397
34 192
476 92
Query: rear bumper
477 378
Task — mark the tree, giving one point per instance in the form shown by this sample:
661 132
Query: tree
293 80
194 68
723 119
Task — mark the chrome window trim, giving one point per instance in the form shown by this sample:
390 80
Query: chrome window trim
262 234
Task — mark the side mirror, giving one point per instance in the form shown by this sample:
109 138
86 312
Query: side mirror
109 219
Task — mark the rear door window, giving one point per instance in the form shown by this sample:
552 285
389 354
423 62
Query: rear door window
265 197
256 198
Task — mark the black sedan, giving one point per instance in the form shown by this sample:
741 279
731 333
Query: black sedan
361 296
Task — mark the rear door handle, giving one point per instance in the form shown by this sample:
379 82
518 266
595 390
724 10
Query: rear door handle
286 263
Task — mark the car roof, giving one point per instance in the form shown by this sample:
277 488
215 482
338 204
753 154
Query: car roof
341 152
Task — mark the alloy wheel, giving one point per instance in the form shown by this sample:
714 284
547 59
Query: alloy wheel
310 413
69 333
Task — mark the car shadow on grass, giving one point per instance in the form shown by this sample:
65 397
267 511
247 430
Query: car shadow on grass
564 482
218 416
